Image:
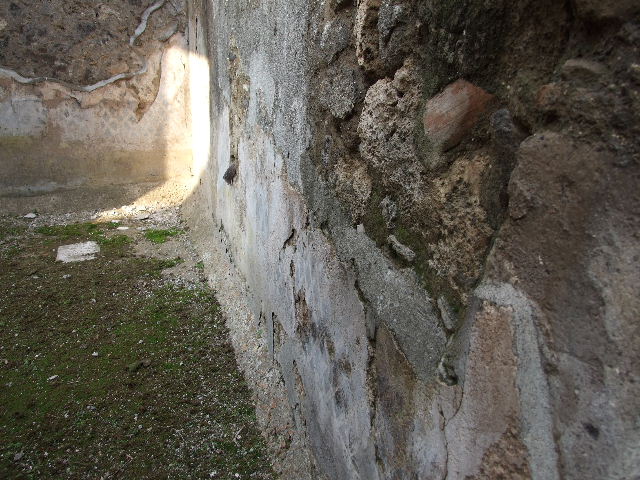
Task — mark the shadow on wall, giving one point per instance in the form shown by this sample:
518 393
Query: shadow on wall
124 140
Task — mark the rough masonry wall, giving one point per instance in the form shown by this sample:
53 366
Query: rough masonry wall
92 94
432 208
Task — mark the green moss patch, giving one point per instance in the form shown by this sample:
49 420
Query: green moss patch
161 236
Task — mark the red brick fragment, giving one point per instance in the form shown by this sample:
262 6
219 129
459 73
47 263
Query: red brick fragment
453 113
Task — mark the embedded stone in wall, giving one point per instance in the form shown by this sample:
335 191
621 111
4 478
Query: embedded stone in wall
388 121
335 38
401 250
452 114
339 92
336 4
366 34
353 184
604 10
581 69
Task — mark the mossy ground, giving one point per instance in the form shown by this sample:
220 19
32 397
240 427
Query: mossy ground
109 370
161 235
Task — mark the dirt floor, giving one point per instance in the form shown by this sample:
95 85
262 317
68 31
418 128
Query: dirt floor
120 366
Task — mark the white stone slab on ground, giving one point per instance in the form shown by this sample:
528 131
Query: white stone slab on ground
78 252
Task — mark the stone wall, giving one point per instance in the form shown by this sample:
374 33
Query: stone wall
422 218
92 94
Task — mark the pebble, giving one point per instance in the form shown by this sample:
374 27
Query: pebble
135 366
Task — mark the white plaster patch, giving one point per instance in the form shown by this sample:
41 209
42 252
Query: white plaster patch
22 115
533 388
78 252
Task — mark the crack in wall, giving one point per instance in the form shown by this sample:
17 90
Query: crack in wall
444 421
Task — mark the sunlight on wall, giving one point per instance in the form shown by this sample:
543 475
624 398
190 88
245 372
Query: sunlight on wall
183 96
200 115
187 99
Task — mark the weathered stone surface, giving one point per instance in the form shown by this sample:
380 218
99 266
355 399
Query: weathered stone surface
335 37
366 34
339 92
336 4
384 31
566 223
388 121
409 430
581 69
606 9
490 403
447 315
389 210
452 114
548 96
353 184
506 134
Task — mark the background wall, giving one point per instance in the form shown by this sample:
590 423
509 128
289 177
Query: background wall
427 236
92 94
